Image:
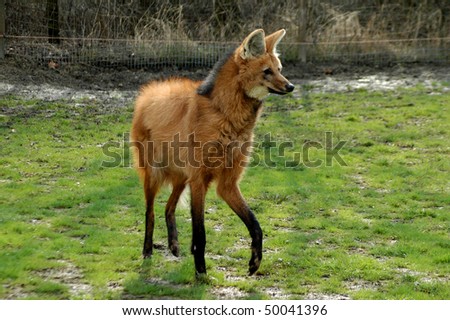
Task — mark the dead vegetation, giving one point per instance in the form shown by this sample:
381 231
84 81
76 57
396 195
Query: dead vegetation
356 30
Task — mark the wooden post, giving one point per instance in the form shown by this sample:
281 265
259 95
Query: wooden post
2 29
301 33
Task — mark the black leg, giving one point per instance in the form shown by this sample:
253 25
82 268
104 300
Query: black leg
150 193
149 226
198 227
170 218
232 195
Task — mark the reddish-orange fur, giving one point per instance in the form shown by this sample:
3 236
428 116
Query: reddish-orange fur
192 133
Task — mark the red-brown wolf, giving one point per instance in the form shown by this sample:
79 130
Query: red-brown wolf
193 133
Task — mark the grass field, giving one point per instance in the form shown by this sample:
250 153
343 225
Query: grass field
372 226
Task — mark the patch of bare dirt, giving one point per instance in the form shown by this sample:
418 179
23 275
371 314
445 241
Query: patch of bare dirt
15 292
423 277
68 275
276 293
325 296
357 285
393 78
228 293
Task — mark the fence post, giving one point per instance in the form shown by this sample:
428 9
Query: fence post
301 33
2 29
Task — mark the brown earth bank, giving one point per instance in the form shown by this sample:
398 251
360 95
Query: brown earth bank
72 82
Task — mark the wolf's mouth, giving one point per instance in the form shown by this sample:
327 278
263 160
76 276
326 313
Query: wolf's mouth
276 92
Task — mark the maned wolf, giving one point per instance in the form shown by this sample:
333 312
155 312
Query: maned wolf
192 133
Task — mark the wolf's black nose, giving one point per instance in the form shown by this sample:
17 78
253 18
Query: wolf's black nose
290 87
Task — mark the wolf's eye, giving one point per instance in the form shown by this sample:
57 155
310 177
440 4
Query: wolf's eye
268 71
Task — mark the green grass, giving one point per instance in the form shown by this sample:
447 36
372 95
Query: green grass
374 228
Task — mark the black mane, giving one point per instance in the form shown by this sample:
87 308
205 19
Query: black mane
207 86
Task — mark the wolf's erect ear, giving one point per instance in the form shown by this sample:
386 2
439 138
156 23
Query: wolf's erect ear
254 45
273 39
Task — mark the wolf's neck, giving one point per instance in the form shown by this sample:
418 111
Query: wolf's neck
208 85
223 88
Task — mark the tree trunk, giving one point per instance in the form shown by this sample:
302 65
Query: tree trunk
52 15
2 28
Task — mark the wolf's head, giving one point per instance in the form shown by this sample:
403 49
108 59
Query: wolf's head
259 66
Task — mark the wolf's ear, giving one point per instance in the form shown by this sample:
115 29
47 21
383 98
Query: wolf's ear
273 39
254 45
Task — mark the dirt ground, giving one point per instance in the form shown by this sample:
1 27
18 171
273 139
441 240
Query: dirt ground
119 86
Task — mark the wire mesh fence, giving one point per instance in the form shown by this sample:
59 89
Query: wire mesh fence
161 33
120 53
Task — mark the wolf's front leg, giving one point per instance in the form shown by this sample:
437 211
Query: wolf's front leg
198 192
233 197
